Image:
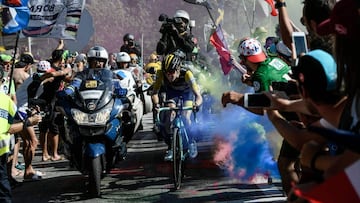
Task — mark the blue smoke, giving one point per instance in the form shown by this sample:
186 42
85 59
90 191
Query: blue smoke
247 136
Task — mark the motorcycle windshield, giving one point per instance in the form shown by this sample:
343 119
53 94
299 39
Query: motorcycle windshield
95 90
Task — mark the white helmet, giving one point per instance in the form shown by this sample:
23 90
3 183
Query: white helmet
182 14
99 53
123 57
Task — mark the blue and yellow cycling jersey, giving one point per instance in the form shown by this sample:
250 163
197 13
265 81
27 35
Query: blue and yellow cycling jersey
185 82
182 86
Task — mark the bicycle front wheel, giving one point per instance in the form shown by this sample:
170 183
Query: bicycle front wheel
177 158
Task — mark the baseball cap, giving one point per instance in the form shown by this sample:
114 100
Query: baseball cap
43 67
26 58
328 65
251 49
5 58
344 20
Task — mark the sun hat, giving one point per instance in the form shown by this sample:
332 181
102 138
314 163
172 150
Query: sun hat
344 20
43 67
252 50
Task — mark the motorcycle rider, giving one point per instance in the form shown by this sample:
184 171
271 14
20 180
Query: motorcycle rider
175 35
130 46
177 82
123 63
97 59
127 81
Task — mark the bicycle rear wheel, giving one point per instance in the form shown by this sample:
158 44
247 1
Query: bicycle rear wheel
177 158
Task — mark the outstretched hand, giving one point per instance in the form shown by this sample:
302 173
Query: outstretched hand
233 98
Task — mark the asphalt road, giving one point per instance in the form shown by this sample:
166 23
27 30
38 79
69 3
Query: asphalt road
145 177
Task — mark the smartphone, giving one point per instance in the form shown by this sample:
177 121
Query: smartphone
290 88
300 42
256 100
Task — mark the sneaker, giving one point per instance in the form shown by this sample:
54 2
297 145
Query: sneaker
168 155
193 149
20 166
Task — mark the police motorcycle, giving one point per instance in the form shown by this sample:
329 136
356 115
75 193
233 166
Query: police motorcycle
132 115
94 108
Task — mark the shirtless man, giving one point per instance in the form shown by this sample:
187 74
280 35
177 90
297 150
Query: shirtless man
28 135
21 70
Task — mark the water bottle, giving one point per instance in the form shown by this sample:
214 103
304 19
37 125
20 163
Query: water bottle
193 149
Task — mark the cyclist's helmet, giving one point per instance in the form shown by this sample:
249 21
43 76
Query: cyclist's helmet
128 37
98 53
172 62
123 57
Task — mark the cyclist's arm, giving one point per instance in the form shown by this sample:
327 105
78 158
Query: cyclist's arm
156 89
189 78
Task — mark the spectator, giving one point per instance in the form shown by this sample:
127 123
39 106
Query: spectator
22 68
262 71
112 61
49 127
8 109
26 97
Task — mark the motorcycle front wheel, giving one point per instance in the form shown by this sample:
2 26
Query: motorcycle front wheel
95 171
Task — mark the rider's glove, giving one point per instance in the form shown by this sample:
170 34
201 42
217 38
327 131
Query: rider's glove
157 107
196 108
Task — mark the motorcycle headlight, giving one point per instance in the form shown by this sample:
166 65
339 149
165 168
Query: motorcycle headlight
99 118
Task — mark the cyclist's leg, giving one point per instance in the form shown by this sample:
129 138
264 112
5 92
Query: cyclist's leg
168 116
188 98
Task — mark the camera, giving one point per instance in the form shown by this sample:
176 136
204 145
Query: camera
167 23
131 43
164 18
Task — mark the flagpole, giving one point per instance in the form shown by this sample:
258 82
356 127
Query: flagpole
13 61
211 17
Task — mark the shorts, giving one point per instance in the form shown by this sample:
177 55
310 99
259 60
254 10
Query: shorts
48 123
186 95
288 151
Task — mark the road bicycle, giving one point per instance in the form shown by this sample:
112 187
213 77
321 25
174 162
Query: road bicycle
180 140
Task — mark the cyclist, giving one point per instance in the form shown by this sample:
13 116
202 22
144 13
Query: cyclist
177 82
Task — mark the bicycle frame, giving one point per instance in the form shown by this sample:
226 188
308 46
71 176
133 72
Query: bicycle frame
179 136
177 122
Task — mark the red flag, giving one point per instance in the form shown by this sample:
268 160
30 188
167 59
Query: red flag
272 5
217 39
343 187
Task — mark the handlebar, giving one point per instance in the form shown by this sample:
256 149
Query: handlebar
186 108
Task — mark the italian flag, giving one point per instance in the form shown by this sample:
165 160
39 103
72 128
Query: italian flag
343 187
